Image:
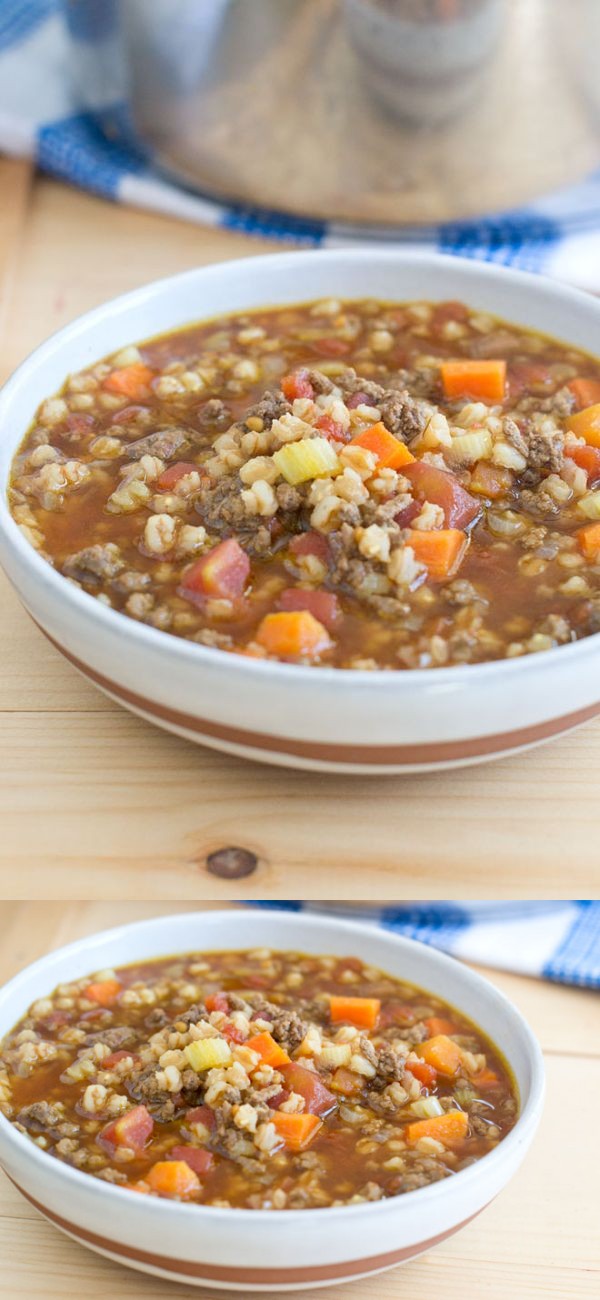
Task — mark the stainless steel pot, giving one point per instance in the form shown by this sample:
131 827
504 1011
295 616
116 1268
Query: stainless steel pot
379 111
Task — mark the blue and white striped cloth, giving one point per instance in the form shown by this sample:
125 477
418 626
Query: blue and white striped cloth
557 941
559 234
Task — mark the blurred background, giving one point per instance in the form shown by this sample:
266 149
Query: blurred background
471 123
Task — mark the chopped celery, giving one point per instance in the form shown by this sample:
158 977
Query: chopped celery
206 1053
309 458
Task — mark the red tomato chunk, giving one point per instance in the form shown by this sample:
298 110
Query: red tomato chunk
221 574
441 488
319 1100
133 1130
195 1157
322 604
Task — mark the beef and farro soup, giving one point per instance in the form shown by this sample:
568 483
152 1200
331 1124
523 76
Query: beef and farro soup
256 1080
356 484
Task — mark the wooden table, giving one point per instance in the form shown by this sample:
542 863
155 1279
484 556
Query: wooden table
538 1239
95 801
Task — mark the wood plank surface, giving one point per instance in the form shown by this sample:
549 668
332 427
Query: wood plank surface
94 801
538 1239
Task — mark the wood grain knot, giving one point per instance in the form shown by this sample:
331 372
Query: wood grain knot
232 863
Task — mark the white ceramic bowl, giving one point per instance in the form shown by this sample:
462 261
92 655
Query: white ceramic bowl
320 718
261 1249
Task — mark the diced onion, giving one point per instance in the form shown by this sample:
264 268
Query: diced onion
468 448
426 1107
334 1054
505 523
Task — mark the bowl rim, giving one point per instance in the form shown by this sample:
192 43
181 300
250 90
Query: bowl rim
528 1118
254 671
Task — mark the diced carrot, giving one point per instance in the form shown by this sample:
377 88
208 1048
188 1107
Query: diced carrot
173 1178
297 1131
223 573
104 992
363 1012
588 458
585 391
442 1053
323 605
586 424
390 453
450 1128
440 550
439 1025
293 635
132 1129
485 1079
297 385
346 1081
130 381
588 541
468 378
171 476
426 1074
491 481
197 1158
269 1051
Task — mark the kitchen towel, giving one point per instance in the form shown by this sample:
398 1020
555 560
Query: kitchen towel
557 941
558 235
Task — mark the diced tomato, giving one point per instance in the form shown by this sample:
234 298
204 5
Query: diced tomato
54 1020
446 311
333 430
425 1073
526 375
217 1002
232 1033
349 963
588 458
223 573
410 512
195 1158
108 1062
323 604
79 423
318 1099
332 347
296 385
132 1129
278 1099
311 544
359 399
257 982
396 1013
127 414
201 1115
442 488
171 476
